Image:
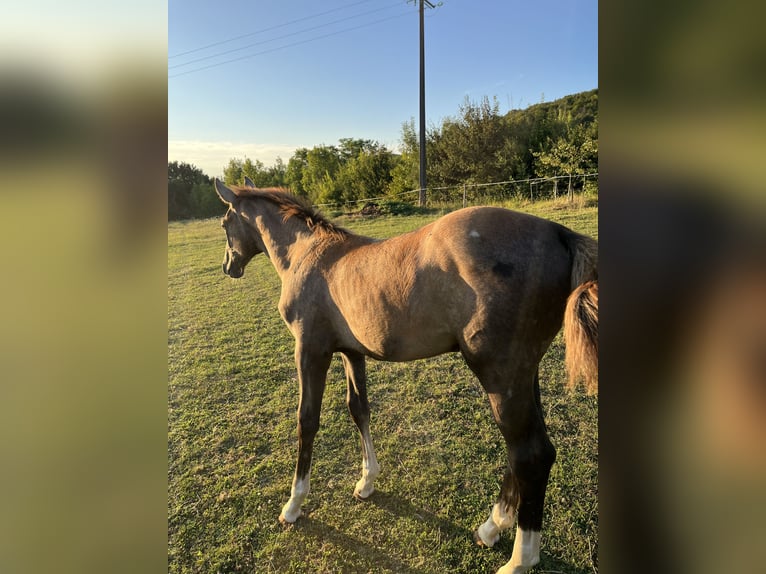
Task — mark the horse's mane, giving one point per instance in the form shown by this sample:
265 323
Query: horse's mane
290 205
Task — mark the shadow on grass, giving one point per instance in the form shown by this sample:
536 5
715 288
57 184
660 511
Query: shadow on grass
404 508
459 552
503 549
365 557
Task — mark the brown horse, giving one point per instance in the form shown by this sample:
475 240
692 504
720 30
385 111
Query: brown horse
491 283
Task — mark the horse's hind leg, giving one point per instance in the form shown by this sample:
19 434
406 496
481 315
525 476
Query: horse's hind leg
356 398
312 374
517 411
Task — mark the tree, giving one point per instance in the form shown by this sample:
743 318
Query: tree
237 169
294 171
256 171
574 154
205 201
404 171
233 172
469 147
366 175
322 165
540 126
278 173
182 178
350 148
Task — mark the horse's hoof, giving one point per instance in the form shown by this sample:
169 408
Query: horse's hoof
361 498
285 522
363 493
480 541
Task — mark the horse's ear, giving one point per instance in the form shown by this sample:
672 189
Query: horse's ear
226 195
249 182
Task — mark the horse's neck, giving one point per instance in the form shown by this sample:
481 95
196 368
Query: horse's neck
282 239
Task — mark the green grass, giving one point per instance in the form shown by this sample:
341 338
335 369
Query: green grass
232 440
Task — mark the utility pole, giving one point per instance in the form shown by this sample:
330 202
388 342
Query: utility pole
422 194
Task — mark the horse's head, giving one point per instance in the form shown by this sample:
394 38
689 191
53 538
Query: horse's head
242 241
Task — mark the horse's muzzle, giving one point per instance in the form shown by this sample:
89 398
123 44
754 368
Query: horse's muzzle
234 272
231 267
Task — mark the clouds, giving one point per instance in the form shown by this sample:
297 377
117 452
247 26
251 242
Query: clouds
212 156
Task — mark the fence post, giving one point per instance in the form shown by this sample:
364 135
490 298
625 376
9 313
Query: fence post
463 194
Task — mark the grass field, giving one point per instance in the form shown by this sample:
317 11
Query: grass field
232 441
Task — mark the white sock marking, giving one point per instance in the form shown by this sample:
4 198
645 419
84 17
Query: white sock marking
498 520
370 470
292 510
526 552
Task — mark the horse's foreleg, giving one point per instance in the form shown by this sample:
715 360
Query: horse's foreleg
312 374
522 495
359 407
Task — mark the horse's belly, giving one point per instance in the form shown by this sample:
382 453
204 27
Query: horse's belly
406 343
417 348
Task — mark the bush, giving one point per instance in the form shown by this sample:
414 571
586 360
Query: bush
590 188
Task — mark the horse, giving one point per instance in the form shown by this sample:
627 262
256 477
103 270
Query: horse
491 283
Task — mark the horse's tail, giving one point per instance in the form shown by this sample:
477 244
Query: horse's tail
581 315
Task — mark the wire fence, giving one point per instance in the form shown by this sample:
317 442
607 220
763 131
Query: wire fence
532 189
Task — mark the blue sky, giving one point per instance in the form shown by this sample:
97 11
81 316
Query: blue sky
313 72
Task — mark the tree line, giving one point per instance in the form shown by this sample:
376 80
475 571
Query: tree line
478 145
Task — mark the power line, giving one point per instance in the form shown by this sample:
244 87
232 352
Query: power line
288 45
281 37
267 29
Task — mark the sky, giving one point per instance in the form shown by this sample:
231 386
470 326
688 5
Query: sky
262 79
